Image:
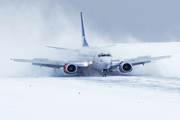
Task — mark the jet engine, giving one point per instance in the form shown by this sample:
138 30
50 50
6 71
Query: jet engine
70 68
125 67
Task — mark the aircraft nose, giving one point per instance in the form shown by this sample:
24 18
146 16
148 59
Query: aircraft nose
106 63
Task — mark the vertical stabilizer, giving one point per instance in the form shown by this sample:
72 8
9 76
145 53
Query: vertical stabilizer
84 44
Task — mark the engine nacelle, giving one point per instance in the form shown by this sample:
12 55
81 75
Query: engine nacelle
125 67
70 68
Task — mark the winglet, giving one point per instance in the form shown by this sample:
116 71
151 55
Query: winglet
84 44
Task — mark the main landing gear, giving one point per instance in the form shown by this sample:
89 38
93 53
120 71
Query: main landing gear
104 72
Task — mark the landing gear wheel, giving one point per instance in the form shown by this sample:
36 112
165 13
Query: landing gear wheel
104 75
104 72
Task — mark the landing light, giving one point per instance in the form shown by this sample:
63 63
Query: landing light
85 64
90 62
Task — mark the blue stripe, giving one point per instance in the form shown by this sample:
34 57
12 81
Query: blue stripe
85 44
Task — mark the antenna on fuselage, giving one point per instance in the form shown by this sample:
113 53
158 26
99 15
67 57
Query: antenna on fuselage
84 44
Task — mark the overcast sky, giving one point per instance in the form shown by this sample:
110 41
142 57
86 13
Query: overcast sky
146 20
111 20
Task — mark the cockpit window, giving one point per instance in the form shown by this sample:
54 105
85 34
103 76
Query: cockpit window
104 55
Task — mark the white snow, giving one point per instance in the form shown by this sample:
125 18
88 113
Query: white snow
150 92
87 98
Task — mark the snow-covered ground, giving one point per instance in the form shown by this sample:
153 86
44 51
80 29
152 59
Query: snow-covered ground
150 92
87 98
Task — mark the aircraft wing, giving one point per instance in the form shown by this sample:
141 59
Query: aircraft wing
50 63
139 60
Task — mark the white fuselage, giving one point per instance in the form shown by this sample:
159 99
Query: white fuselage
99 58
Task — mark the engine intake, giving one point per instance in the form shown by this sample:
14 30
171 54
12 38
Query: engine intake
125 67
70 68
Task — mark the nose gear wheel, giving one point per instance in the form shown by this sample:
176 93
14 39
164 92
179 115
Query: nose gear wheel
104 72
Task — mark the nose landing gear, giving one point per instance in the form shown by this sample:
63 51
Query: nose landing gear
104 72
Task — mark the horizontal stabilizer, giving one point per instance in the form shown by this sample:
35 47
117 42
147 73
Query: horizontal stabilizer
61 48
111 45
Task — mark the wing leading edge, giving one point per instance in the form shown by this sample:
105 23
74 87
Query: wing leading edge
50 63
139 60
145 59
42 62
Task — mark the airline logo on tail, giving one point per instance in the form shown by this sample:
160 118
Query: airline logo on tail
85 44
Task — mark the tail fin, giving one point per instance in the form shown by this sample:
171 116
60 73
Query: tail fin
84 44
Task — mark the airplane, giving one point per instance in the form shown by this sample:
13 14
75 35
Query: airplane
97 58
